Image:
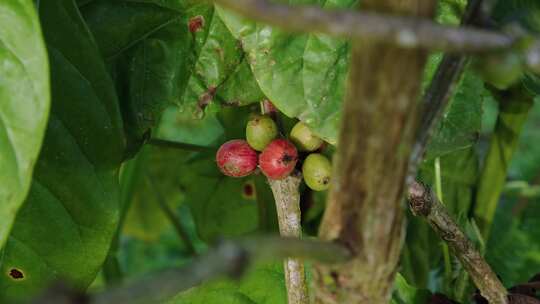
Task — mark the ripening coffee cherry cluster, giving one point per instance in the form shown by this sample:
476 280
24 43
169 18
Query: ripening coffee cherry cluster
276 157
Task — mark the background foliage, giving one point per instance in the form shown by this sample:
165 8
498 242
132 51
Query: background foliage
123 73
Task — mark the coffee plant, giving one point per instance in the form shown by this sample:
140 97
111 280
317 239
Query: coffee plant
268 152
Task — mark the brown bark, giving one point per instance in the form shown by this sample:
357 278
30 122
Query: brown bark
424 203
365 206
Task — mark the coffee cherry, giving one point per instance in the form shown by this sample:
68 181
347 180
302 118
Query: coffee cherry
304 139
236 158
278 159
260 131
317 172
500 70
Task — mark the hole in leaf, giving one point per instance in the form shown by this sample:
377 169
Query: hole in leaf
248 190
16 274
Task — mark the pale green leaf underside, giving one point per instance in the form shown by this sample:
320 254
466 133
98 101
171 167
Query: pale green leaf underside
303 75
24 104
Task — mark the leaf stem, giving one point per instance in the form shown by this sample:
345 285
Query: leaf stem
287 197
444 246
438 179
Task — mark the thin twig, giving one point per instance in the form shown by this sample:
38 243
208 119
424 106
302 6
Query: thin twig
439 93
287 196
424 203
177 145
407 32
228 258
171 216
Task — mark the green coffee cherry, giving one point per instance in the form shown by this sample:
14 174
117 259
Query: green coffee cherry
260 131
317 172
304 139
500 70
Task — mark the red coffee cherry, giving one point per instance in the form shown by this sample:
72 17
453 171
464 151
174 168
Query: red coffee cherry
236 158
278 159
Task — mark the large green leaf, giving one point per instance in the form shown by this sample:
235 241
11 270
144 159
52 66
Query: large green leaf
221 73
147 48
264 285
303 75
145 219
64 229
221 206
24 104
515 253
158 59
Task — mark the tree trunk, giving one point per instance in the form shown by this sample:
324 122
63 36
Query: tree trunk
365 205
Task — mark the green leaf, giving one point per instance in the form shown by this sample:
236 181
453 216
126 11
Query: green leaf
450 11
515 251
407 294
459 174
462 120
513 114
158 60
221 206
64 229
303 75
182 126
264 285
525 163
524 12
24 104
145 218
221 73
148 50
